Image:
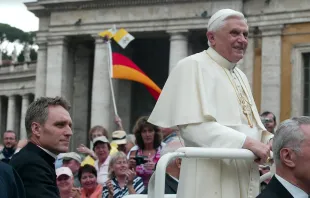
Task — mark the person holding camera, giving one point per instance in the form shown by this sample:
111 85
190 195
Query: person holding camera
146 153
269 120
122 181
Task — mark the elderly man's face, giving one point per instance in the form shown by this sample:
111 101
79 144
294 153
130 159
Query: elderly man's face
301 159
231 40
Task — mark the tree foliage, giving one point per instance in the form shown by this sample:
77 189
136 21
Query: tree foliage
33 56
14 34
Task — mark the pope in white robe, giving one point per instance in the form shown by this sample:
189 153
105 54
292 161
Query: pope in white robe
209 99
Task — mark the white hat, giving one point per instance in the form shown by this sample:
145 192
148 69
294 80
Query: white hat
119 137
71 155
63 171
222 14
101 139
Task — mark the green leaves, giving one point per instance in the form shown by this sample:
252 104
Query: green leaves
13 34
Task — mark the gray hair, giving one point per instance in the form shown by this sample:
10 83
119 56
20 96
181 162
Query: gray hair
172 147
217 22
289 135
38 110
131 138
113 159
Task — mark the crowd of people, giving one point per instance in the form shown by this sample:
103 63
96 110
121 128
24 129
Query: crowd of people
113 167
206 102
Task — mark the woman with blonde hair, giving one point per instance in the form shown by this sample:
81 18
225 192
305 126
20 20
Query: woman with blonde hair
122 181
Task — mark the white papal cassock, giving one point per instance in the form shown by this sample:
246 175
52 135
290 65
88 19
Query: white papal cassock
202 97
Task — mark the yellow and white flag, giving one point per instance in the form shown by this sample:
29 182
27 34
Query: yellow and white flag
123 38
108 33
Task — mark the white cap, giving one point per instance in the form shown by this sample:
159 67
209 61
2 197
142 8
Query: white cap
222 14
101 139
63 171
71 155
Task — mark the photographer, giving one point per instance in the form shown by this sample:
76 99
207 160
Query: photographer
146 153
269 121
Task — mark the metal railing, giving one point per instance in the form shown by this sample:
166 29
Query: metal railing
195 153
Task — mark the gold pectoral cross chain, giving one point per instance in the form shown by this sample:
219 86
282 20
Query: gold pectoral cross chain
247 112
246 105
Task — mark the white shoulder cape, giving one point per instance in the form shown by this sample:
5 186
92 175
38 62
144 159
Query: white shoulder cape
196 91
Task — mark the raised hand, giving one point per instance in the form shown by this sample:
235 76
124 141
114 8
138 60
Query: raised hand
110 187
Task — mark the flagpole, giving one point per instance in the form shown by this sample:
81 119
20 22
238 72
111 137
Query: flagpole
110 76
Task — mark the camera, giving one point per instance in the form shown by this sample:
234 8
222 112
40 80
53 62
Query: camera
265 120
140 160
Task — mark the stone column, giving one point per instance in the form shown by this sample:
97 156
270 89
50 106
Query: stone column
11 113
40 87
59 76
124 103
25 104
2 129
271 69
101 94
3 113
178 48
81 97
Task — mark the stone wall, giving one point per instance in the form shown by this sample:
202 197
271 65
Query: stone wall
261 7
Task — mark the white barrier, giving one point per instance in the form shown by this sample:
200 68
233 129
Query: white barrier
194 152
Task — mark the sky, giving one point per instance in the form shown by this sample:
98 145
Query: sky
15 13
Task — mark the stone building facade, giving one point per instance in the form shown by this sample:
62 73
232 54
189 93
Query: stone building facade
72 60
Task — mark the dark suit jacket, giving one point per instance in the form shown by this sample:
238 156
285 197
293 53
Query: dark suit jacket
275 189
37 171
171 186
11 185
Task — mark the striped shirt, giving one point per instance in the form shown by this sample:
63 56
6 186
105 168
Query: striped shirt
120 192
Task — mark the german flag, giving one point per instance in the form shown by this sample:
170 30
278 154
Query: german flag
124 68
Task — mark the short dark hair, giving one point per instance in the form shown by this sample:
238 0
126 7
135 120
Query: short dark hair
108 144
87 168
264 114
9 131
140 125
38 110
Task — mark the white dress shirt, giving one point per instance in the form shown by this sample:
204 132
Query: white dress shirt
294 190
102 171
174 178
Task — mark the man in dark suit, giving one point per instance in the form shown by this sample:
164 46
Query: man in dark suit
11 185
291 149
173 168
171 185
48 124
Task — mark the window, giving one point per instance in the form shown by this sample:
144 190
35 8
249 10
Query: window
306 61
